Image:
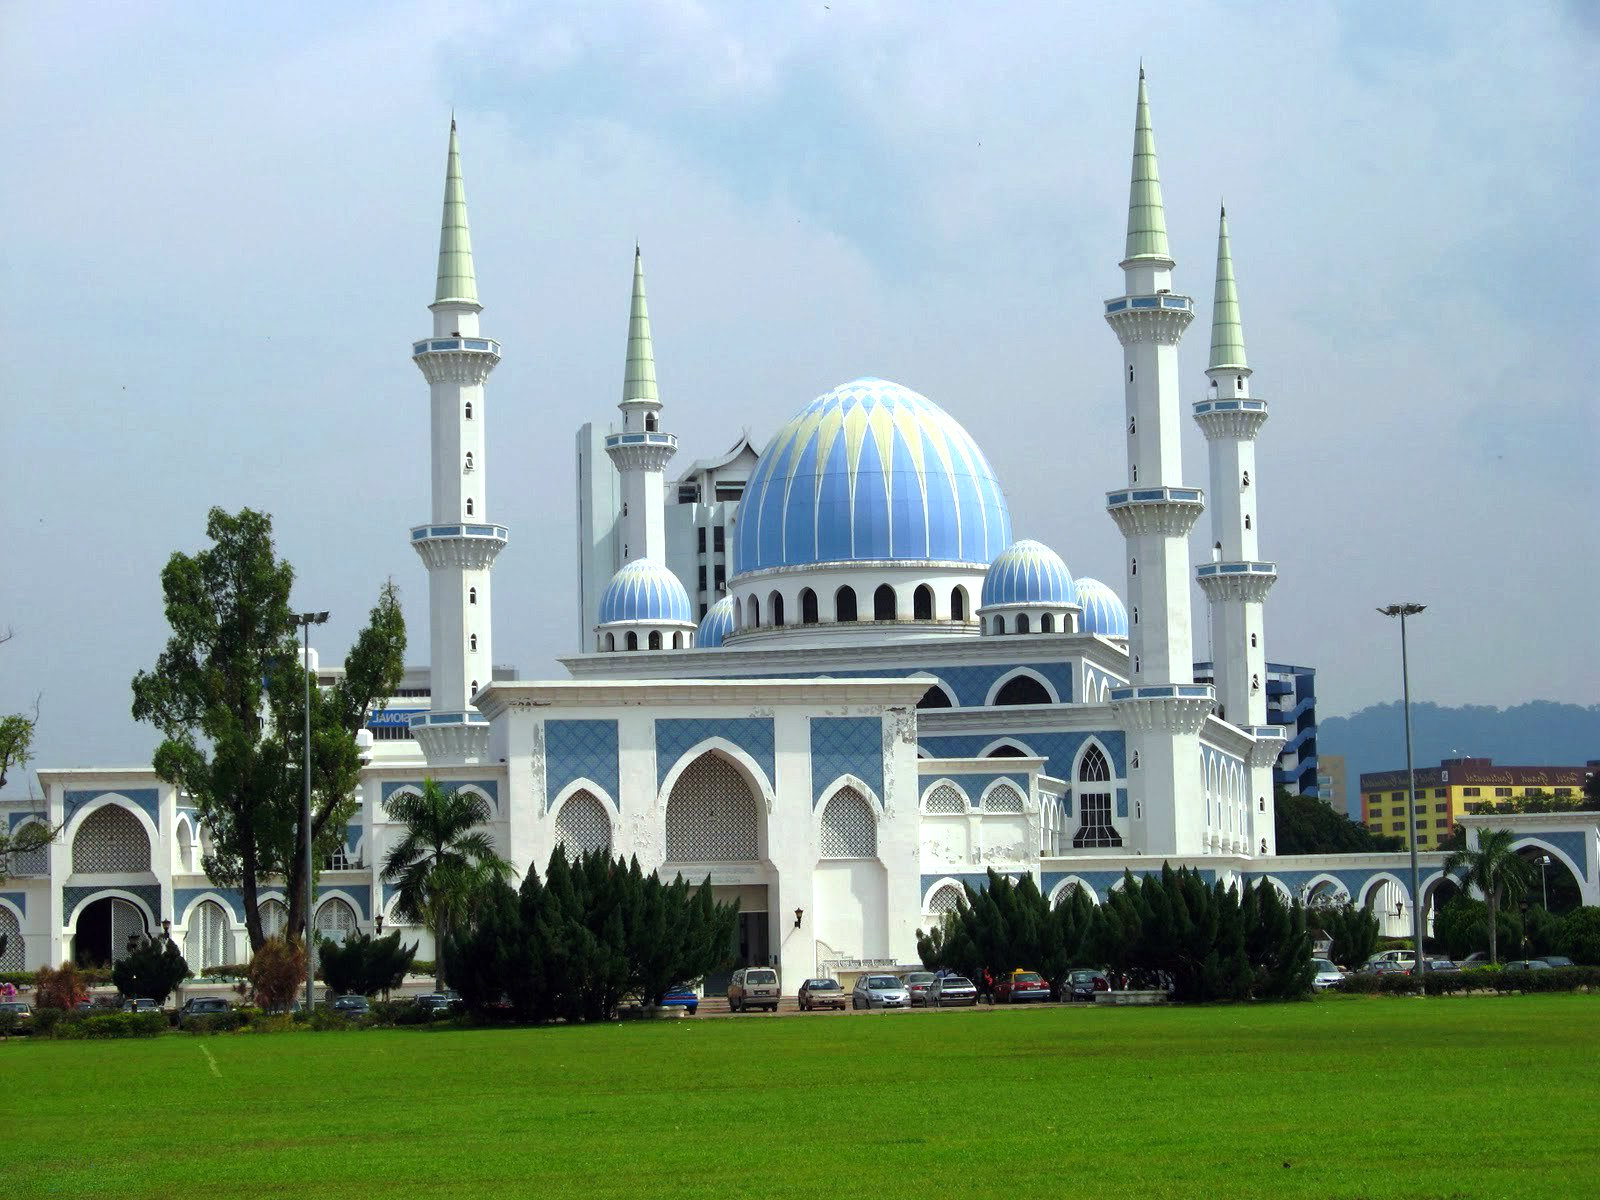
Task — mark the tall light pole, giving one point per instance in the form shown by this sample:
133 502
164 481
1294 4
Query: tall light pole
1544 861
1403 611
306 621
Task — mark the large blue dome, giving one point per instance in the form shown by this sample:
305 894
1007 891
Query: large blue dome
1028 572
1103 611
871 471
715 625
645 591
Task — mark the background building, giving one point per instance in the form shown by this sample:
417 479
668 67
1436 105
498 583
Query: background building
1333 785
1291 704
1455 787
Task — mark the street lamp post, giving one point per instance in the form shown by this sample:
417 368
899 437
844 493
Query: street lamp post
1544 861
306 621
1403 611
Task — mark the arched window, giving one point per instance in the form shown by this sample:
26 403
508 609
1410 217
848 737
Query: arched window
1022 689
946 798
946 900
1135 663
775 609
37 860
208 940
1002 798
1094 802
1255 683
883 604
469 506
808 607
1133 567
474 687
472 595
1246 482
469 460
274 918
11 958
111 839
1253 645
958 604
336 920
1135 473
1007 750
712 816
611 642
677 641
655 639
1133 425
1047 623
1130 372
1247 520
844 604
583 824
752 618
1238 381
633 640
469 410
651 422
1022 623
935 697
922 603
473 641
1135 614
848 827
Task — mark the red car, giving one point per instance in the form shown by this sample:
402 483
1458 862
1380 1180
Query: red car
1020 987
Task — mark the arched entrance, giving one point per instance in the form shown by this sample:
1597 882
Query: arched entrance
104 929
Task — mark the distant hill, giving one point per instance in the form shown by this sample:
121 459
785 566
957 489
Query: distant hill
1540 734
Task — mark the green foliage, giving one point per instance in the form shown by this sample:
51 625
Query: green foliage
1462 927
151 970
78 1026
591 933
1354 932
228 696
16 743
1475 979
1541 933
277 972
365 965
26 838
1306 825
1580 935
1493 870
60 987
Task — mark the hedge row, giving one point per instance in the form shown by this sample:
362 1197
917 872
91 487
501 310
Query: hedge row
75 1024
93 976
1475 979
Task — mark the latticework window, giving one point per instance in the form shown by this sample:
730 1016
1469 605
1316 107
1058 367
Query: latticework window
127 923
31 862
711 816
336 921
848 828
1003 798
206 942
946 900
583 824
11 931
111 839
1094 768
274 918
337 859
946 798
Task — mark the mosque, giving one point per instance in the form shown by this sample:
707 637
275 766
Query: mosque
893 695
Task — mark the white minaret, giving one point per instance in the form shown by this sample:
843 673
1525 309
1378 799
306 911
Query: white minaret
1235 581
458 545
641 451
1164 708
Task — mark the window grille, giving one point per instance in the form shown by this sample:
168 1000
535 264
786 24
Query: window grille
583 824
946 900
946 798
205 944
848 827
274 918
711 816
1094 768
31 862
336 921
110 840
126 922
337 859
1003 798
11 931
1096 828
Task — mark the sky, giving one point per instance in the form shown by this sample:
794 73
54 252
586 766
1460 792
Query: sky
223 223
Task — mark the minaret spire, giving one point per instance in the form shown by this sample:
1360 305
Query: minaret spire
1227 335
457 282
1147 216
642 450
639 377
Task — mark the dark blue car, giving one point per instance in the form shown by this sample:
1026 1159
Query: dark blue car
681 996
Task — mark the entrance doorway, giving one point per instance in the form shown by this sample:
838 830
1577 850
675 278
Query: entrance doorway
103 930
751 943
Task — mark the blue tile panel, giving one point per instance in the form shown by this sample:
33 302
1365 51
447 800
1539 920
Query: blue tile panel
581 749
20 899
1059 750
150 893
18 818
846 746
970 684
146 798
1122 802
183 897
676 736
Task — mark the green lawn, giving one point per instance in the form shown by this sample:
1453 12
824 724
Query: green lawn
1344 1097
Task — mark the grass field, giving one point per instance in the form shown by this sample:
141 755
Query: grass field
1344 1097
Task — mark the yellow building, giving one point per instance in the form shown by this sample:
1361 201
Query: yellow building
1454 787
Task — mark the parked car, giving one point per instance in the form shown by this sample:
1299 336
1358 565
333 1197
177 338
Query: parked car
21 1012
353 1006
1083 983
949 990
1021 986
753 987
821 993
917 984
683 996
1478 958
1527 964
196 1006
1442 964
1386 967
1327 974
143 1004
1405 957
880 991
436 1002
1559 960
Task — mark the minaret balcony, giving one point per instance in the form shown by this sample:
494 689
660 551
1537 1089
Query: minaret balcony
647 451
1166 707
1166 511
452 737
1246 581
1238 419
1269 743
463 360
1160 318
474 547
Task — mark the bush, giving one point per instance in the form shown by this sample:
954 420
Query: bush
59 987
222 1022
45 1020
363 964
150 970
276 1023
1580 935
1477 979
8 1024
227 971
276 972
112 1025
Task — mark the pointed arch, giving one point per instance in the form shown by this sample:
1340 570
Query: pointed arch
808 607
582 822
1007 747
937 696
885 604
1072 882
922 603
208 934
958 604
112 893
945 796
848 825
1051 696
712 808
943 896
111 837
775 609
844 604
336 919
1003 796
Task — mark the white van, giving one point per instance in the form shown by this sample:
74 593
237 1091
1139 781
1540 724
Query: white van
753 987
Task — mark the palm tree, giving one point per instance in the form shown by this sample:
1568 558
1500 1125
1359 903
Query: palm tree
1494 870
443 861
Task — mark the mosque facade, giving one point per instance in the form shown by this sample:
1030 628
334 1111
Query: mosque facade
895 694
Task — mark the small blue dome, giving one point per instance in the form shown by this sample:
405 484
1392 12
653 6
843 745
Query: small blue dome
1103 612
715 625
870 472
645 591
1028 572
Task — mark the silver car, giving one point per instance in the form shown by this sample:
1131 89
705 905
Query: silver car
951 989
880 991
1327 974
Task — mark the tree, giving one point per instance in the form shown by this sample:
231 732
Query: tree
364 965
59 987
1306 825
26 838
1353 932
1580 935
151 970
1496 871
228 696
444 861
277 969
